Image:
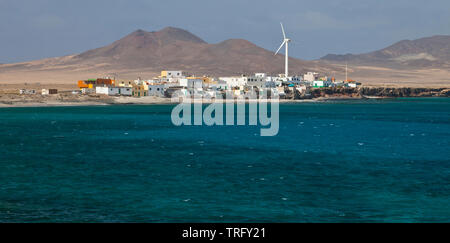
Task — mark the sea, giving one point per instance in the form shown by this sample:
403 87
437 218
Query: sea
336 161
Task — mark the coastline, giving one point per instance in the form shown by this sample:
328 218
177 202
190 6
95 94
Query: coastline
65 98
130 101
167 101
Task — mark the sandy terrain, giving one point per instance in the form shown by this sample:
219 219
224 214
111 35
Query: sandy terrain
68 75
385 77
367 75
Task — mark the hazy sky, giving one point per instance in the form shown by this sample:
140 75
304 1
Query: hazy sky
34 29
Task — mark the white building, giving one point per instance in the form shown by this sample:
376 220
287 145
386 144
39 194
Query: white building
159 89
49 91
235 81
221 85
301 88
261 75
311 76
87 91
322 84
353 84
259 80
171 76
297 80
125 91
294 80
156 90
107 90
255 81
27 91
339 84
275 80
280 91
174 74
139 81
191 83
270 82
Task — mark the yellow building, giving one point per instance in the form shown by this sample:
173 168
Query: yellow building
125 83
163 74
140 90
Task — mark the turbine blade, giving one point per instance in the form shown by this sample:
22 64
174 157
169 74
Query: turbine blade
282 44
282 29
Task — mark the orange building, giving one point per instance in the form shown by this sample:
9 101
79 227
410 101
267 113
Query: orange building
84 85
105 82
92 83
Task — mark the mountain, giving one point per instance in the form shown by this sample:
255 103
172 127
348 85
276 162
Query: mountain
430 52
173 48
142 48
145 54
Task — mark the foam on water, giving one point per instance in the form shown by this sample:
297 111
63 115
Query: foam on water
352 161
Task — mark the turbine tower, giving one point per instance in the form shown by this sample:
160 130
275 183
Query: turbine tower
286 44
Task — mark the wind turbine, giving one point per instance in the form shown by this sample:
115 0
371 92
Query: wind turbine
286 44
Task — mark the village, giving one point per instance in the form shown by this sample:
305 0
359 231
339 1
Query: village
171 82
179 82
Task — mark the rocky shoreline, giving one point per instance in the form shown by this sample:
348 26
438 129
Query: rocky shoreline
368 92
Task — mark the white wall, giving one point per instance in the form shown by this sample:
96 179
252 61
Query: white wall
156 90
125 91
221 84
107 90
174 74
234 81
255 81
261 75
311 76
191 83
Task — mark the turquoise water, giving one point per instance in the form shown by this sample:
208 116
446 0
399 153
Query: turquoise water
348 161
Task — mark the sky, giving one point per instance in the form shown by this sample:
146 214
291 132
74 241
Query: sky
35 29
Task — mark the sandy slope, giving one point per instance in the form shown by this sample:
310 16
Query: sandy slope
370 76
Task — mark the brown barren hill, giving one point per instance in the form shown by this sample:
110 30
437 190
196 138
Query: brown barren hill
423 62
145 54
429 52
